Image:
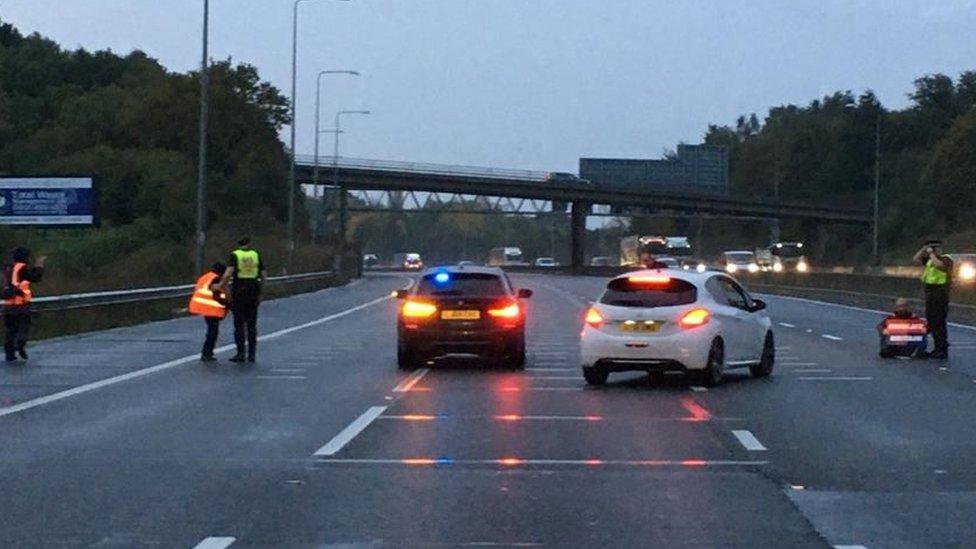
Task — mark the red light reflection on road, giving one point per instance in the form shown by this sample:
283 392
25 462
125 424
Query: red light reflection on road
418 461
698 413
694 463
594 462
510 462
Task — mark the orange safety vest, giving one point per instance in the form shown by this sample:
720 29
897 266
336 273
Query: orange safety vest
203 301
22 285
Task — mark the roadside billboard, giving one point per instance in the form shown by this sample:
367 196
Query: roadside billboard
49 201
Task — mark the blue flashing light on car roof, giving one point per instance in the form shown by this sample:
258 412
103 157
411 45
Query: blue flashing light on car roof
442 277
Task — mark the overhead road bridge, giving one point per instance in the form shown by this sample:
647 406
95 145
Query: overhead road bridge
355 174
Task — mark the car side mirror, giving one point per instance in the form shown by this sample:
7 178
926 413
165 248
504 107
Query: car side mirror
525 293
757 305
400 294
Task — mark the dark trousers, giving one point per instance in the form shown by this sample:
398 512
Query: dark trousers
245 324
17 326
213 331
937 313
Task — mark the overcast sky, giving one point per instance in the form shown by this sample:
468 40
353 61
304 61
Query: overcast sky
538 83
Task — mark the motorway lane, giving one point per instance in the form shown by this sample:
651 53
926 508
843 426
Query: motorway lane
473 456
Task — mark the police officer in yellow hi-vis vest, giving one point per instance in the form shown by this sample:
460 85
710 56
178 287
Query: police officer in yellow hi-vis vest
209 302
937 279
244 275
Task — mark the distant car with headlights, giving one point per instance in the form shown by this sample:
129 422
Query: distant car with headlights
546 262
674 320
461 311
791 256
409 261
964 266
740 261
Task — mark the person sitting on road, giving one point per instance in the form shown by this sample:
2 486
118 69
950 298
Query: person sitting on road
902 332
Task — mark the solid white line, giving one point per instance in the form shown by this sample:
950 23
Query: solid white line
350 431
787 325
288 370
699 389
813 371
850 547
554 388
835 378
280 377
551 369
88 387
554 377
778 363
852 308
412 380
832 337
215 543
749 440
783 348
523 462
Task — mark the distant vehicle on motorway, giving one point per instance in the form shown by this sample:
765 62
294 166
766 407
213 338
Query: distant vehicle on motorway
603 261
409 261
659 320
370 260
791 255
505 256
740 261
467 311
964 266
668 262
638 251
546 262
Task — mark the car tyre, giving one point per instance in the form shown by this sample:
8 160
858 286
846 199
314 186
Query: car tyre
768 360
595 375
407 360
711 376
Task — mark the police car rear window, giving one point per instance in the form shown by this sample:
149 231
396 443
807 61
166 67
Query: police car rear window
621 292
466 284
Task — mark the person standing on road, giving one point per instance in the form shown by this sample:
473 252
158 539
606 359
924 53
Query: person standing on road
209 302
244 275
17 294
937 279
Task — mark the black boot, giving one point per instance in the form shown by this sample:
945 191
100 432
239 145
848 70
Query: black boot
239 357
22 351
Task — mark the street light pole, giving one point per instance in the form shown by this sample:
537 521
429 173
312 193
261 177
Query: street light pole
343 195
294 123
318 133
877 191
202 159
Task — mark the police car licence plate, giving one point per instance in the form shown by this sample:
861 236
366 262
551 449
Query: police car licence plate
460 315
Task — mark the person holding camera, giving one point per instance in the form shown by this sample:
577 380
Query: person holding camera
936 279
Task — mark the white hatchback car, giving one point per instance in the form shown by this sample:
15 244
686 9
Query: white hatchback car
670 319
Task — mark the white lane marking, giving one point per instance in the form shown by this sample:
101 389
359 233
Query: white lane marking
832 337
215 543
554 377
749 441
288 370
787 357
838 378
515 462
555 388
350 432
778 363
813 371
850 547
88 387
787 325
551 369
412 380
783 348
699 389
280 377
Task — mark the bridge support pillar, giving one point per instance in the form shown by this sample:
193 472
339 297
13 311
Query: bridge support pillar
578 235
774 235
340 249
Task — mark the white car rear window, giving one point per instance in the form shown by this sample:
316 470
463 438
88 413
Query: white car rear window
621 292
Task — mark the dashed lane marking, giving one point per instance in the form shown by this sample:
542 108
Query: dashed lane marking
749 441
813 371
551 369
850 547
412 380
88 387
778 363
832 337
838 378
288 370
215 543
280 377
787 325
575 378
699 389
350 432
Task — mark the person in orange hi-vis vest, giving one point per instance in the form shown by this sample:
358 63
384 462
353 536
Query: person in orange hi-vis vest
16 293
210 303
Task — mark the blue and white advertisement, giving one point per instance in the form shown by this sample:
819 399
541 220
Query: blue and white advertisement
48 201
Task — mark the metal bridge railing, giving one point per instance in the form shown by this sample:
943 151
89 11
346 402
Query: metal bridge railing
114 297
325 162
